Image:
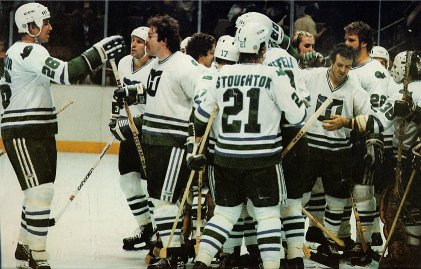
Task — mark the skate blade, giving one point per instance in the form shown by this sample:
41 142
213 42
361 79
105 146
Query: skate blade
22 264
136 247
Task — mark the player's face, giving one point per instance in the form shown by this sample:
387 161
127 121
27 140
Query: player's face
382 61
340 68
306 45
352 40
44 35
137 46
208 59
153 46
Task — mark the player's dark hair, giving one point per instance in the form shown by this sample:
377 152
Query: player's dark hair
344 51
223 61
168 31
363 31
199 45
252 57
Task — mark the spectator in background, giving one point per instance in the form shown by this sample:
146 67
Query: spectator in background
307 23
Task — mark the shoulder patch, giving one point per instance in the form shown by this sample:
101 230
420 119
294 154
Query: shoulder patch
280 72
194 63
26 51
379 74
207 77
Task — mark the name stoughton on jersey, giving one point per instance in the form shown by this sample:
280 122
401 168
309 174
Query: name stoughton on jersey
349 100
170 90
130 76
29 108
251 99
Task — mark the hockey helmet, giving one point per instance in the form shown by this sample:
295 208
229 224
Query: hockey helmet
380 52
183 43
226 49
274 30
141 32
249 37
30 12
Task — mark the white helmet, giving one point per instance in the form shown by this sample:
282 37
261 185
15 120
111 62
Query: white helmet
275 31
249 37
183 43
380 52
141 32
31 12
226 49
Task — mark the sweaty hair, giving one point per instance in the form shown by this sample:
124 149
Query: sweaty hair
363 31
168 31
298 36
344 51
199 45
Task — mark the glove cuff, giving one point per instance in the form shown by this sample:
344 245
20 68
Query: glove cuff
93 59
101 52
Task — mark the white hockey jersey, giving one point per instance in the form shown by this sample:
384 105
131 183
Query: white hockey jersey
170 90
130 76
384 117
29 107
251 99
375 79
349 100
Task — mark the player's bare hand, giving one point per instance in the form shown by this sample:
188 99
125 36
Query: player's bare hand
335 123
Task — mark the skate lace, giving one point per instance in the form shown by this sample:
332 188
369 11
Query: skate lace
44 263
138 232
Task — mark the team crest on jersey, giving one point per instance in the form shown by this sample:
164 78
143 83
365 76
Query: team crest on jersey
335 108
26 51
194 63
379 74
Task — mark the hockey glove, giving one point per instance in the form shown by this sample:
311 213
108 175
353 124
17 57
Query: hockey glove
374 145
312 59
120 127
112 47
133 94
194 161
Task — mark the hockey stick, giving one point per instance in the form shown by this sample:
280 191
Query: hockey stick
163 252
308 124
395 220
63 107
358 224
72 197
132 126
323 228
199 211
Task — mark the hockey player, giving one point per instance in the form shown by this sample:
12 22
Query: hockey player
134 70
304 43
294 164
29 122
170 91
248 148
201 47
374 78
404 249
330 151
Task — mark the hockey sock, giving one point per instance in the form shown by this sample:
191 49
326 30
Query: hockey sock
269 235
334 212
23 232
294 225
216 232
317 203
195 204
164 215
376 222
37 213
235 238
345 229
131 186
250 226
367 211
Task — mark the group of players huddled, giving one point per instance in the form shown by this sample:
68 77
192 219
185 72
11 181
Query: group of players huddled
284 129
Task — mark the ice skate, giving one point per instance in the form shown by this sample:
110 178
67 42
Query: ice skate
142 239
22 256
